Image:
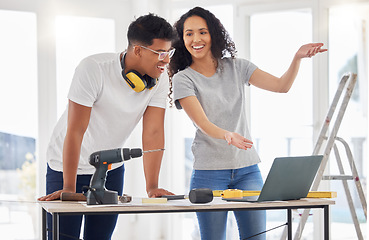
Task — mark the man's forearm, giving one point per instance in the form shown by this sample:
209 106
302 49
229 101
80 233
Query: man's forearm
152 164
152 138
71 152
152 161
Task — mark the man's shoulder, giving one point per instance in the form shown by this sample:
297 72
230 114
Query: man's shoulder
101 58
104 56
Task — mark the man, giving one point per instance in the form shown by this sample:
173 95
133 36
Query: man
109 94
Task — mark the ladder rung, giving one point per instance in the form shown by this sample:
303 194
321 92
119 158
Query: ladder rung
338 177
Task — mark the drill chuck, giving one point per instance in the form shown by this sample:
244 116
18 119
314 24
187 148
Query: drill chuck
136 152
128 153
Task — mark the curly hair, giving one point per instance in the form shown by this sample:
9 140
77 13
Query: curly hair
221 43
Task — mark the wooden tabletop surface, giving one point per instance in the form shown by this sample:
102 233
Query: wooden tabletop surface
184 205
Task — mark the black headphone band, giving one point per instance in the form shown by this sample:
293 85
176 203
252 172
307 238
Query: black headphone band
122 57
151 82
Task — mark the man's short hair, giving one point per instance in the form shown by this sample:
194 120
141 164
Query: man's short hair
147 28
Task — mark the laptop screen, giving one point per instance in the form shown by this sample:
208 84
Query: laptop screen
290 178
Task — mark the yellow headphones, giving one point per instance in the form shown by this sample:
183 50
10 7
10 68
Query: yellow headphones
135 80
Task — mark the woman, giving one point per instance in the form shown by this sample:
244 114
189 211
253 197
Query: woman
209 86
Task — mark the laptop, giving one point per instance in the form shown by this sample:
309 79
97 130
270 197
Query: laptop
289 178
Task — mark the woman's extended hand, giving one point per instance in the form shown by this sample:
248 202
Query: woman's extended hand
310 50
237 140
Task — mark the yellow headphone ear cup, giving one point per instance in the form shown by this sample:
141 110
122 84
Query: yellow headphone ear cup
135 82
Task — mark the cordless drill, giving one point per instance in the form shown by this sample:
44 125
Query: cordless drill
102 161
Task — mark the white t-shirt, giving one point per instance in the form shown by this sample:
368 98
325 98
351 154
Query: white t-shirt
116 109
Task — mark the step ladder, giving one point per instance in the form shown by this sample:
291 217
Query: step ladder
346 86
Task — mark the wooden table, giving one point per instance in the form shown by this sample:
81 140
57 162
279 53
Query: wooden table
58 208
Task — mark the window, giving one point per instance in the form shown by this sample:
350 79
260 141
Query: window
77 38
18 124
349 53
281 123
275 38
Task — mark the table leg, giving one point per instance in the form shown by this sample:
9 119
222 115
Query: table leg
289 224
326 222
44 230
55 226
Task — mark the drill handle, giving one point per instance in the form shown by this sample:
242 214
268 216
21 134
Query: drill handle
99 177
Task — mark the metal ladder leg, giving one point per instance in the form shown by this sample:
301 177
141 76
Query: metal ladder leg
348 194
322 137
331 139
328 119
355 175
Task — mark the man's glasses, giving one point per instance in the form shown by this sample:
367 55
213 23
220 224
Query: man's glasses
162 55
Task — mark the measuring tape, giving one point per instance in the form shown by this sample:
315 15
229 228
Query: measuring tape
246 193
218 193
232 193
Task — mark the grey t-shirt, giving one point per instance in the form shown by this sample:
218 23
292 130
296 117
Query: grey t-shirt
222 96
